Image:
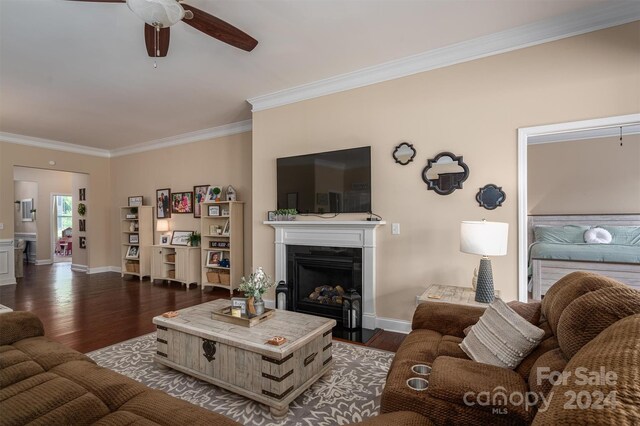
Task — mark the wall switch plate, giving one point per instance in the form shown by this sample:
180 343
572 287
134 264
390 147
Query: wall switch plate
1 225
395 229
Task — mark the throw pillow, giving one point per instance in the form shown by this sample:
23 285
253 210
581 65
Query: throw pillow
529 311
501 337
597 236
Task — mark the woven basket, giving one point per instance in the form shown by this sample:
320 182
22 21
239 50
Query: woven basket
213 277
132 267
171 273
225 278
171 257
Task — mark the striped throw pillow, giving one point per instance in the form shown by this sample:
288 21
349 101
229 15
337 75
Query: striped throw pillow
501 337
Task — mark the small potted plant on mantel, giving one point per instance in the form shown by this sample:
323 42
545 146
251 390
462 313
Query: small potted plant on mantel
253 288
286 214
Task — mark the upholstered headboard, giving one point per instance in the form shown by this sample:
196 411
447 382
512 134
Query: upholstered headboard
585 219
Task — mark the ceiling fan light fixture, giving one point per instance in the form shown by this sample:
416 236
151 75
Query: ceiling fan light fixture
158 13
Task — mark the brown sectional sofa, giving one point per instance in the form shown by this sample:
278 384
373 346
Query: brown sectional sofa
43 382
590 322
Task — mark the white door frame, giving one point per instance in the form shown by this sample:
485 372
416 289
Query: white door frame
54 225
524 134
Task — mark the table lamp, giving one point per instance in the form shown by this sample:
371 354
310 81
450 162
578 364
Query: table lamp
162 225
486 239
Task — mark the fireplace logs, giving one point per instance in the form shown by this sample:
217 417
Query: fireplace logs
327 295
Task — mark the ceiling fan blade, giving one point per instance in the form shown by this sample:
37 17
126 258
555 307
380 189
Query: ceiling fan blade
217 28
157 43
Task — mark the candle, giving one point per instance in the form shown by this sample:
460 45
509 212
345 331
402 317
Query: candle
236 311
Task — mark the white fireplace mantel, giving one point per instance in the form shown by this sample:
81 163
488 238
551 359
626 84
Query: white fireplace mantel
333 233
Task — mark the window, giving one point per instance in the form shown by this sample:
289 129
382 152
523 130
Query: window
63 214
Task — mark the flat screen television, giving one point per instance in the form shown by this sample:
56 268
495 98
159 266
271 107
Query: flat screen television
326 182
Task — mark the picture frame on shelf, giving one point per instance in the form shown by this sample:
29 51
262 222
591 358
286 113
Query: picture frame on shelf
199 194
182 202
135 201
82 242
213 258
133 252
240 302
271 216
214 210
225 212
165 239
163 203
214 194
134 239
181 238
219 244
226 229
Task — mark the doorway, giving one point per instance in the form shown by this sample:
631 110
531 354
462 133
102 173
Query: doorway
62 227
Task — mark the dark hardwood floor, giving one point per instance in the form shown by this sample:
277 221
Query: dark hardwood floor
88 312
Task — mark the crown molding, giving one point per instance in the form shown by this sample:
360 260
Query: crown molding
53 144
556 28
199 135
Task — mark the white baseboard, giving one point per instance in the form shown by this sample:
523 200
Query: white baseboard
390 324
8 281
101 269
44 262
79 268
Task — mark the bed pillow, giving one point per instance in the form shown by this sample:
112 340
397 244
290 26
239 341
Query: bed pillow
501 337
597 236
568 234
624 235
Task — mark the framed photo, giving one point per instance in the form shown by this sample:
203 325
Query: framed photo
182 202
214 258
226 229
135 201
165 239
82 242
134 239
225 212
271 216
199 194
82 225
241 302
219 244
163 203
214 210
82 194
133 252
181 238
214 193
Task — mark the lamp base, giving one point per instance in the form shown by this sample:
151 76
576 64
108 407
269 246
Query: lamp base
484 287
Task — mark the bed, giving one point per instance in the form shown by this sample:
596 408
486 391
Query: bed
557 248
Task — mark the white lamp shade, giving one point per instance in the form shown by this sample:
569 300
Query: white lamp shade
157 12
162 225
484 238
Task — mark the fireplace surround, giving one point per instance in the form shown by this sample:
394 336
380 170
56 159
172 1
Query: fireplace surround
334 234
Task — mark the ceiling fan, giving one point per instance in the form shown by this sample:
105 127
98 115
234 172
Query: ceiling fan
159 15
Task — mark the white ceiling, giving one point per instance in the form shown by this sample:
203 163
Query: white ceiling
78 72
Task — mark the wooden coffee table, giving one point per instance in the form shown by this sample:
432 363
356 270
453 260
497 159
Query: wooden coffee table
238 359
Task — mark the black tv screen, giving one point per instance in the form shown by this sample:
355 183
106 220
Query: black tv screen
327 182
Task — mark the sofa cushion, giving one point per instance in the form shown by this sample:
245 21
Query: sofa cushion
501 337
399 418
548 344
19 325
569 288
615 350
424 346
48 353
546 367
593 312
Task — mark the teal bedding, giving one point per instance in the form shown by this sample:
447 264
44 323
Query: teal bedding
586 252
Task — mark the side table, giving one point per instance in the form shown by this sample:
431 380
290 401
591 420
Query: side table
451 294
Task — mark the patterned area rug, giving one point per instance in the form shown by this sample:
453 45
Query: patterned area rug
349 393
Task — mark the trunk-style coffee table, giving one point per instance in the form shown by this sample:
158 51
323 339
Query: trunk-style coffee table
238 359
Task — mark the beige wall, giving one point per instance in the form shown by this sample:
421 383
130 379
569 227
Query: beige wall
23 190
586 176
472 109
96 167
221 161
48 182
